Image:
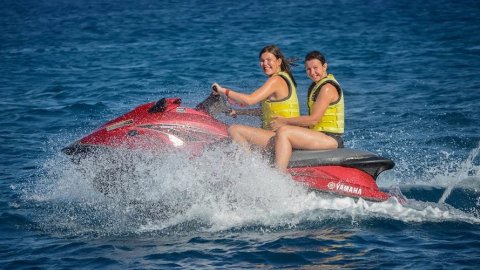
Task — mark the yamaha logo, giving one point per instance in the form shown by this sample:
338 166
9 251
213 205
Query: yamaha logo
331 185
344 188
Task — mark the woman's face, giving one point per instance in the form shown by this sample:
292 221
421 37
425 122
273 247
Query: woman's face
315 70
270 64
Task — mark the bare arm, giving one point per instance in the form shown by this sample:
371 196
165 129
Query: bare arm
270 89
328 94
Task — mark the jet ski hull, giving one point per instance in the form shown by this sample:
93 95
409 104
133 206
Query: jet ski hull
163 126
344 171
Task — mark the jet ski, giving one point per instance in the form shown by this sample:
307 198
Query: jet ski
166 125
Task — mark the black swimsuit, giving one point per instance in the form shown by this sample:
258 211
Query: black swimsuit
337 137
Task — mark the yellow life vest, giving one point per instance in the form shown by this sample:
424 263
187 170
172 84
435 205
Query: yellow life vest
287 107
333 120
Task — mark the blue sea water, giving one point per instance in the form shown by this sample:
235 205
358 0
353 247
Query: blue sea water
410 71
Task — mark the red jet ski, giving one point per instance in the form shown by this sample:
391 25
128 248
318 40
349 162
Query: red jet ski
166 125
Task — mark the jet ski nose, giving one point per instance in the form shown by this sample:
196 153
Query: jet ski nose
71 149
76 149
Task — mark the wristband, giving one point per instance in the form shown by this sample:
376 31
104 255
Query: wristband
227 92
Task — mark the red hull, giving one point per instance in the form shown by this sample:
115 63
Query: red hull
339 180
175 128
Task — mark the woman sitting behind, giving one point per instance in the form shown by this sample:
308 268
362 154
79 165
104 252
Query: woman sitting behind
323 127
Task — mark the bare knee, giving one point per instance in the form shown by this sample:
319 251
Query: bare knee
234 130
283 132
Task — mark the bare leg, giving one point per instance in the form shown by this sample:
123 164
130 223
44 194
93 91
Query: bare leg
294 137
283 150
246 135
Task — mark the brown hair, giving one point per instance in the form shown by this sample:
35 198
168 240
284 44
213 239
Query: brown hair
273 49
315 55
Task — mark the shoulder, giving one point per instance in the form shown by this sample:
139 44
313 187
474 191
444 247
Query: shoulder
329 86
329 89
276 77
276 80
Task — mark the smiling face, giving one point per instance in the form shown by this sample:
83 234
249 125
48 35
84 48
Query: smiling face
315 69
270 64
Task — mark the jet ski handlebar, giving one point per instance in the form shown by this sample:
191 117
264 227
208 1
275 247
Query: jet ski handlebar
214 104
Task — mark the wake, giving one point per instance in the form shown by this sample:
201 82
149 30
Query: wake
223 189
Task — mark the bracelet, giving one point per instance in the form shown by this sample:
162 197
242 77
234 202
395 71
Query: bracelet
227 92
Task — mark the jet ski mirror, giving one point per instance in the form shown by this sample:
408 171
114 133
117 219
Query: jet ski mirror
162 104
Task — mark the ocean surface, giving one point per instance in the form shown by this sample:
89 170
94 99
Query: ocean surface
411 75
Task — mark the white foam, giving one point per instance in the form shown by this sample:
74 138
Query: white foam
222 189
466 170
